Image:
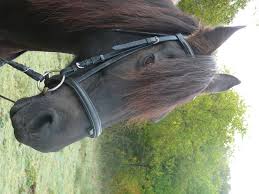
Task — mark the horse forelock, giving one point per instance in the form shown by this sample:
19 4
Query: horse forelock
146 15
167 84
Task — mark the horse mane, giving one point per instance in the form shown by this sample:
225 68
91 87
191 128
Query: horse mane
166 85
143 15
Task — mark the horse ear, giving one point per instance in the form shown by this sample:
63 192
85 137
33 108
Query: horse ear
208 40
222 82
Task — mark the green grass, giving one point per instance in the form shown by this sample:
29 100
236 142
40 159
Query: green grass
23 170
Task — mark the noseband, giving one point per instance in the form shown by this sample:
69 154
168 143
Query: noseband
93 65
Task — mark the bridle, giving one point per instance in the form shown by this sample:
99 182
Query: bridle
93 65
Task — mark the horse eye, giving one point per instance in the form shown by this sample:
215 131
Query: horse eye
149 60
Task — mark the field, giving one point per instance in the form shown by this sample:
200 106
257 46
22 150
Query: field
23 170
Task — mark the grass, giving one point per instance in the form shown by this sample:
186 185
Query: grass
23 170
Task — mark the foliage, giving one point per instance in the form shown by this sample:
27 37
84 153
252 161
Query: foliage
213 12
186 153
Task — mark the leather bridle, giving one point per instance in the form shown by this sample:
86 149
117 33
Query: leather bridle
93 65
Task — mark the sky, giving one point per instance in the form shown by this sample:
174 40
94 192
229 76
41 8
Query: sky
240 54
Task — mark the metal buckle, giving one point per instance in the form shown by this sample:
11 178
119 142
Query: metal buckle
157 40
46 89
102 57
79 66
42 89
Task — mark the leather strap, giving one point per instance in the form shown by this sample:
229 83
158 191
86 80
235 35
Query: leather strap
7 99
124 49
26 70
69 71
88 106
143 33
108 63
20 67
152 40
185 45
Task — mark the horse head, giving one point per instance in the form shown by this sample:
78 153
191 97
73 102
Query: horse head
145 85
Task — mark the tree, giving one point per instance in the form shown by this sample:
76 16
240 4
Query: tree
188 152
213 12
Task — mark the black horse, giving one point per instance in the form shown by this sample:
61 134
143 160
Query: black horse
146 85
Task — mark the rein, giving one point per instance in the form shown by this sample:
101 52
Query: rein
91 66
23 68
7 99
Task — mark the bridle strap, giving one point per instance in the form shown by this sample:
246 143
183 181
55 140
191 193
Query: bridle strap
102 66
146 41
23 68
70 70
141 33
122 51
7 99
185 45
91 112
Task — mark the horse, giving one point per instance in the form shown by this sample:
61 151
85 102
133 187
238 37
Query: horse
144 85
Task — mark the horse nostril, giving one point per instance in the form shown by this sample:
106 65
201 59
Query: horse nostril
42 120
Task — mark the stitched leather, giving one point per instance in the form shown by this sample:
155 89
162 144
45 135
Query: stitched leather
108 63
20 67
88 106
185 45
